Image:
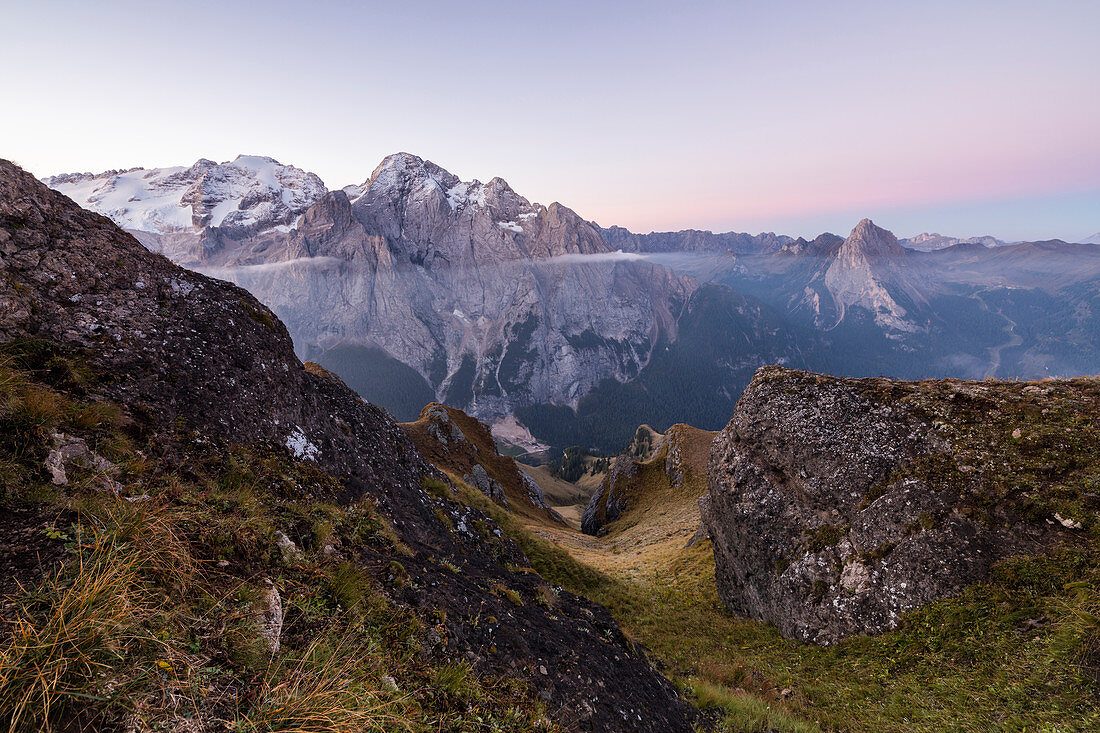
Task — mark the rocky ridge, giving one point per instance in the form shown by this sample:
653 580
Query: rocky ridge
694 241
927 242
679 455
464 447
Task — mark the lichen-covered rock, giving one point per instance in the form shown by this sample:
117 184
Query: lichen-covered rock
443 429
68 451
836 505
268 611
480 480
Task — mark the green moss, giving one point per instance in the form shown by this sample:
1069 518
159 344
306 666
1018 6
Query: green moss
259 314
878 553
825 536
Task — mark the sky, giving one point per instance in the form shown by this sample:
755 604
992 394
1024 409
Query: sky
965 118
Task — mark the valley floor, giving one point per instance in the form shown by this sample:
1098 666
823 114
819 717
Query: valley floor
996 658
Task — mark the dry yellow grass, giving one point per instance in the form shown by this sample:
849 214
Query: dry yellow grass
55 660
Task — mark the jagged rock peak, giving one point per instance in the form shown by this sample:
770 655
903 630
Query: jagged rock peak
823 245
868 240
404 174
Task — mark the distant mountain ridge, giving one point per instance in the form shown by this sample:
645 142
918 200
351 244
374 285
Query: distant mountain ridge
416 286
460 290
927 242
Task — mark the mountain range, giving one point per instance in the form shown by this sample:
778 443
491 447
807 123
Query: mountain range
415 286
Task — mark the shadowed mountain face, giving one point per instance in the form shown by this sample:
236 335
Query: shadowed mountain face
416 286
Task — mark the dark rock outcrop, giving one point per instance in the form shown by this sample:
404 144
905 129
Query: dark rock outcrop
609 501
836 505
486 484
195 359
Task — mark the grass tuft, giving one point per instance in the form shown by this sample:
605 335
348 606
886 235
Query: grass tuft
321 691
67 638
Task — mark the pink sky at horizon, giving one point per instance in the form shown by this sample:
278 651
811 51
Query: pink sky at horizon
977 117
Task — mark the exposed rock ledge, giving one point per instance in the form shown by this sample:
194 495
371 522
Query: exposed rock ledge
836 505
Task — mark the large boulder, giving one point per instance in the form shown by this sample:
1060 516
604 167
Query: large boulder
836 505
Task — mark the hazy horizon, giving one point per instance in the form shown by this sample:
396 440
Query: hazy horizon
795 119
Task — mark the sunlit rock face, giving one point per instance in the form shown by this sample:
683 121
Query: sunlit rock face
490 300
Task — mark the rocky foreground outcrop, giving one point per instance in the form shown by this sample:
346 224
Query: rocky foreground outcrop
836 505
196 361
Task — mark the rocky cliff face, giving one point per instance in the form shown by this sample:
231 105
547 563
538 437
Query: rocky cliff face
199 362
837 505
492 300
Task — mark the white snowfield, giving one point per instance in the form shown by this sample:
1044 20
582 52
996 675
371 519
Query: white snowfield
257 192
250 191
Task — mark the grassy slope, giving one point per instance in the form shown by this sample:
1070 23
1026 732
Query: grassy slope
143 614
479 448
1020 652
567 499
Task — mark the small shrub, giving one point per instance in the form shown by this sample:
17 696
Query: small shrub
453 679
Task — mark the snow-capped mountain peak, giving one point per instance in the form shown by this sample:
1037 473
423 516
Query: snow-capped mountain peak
248 192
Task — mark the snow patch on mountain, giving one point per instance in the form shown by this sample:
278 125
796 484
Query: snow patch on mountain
251 191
